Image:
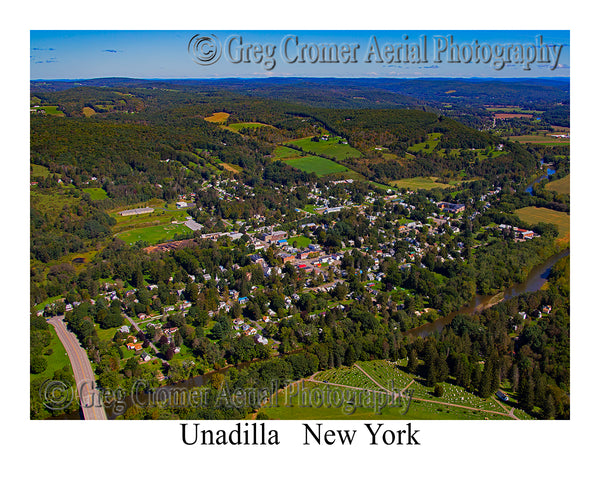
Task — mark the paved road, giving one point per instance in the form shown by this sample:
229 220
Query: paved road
89 396
137 327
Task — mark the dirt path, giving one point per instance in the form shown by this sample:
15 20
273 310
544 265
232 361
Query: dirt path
508 414
511 412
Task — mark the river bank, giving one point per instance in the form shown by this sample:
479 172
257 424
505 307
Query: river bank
536 278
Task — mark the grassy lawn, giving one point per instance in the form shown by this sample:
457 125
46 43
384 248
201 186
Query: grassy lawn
218 117
301 241
56 360
319 165
562 185
153 235
96 193
160 216
331 148
419 183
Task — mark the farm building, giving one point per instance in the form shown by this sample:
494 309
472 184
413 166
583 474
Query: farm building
136 211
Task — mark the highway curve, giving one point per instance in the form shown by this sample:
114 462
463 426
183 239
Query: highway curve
89 395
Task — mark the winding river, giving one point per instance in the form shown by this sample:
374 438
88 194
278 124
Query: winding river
549 171
537 277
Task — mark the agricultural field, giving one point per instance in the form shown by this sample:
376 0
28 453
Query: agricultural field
236 127
428 145
562 220
541 139
218 117
420 183
39 171
96 193
285 152
562 185
513 110
88 112
50 110
331 148
486 154
154 234
53 204
318 165
361 392
231 168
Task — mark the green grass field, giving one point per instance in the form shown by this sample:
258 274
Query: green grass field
428 145
513 110
331 148
56 360
540 139
52 204
285 152
481 155
96 193
419 183
236 127
51 110
301 241
533 215
562 185
160 216
39 171
319 165
153 235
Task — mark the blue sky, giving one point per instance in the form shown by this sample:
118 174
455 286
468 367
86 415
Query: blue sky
70 54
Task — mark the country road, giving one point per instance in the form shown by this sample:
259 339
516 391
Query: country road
89 395
138 329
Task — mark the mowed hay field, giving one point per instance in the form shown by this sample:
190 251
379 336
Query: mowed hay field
318 165
285 152
331 148
420 183
562 185
96 193
562 220
540 139
236 127
218 117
